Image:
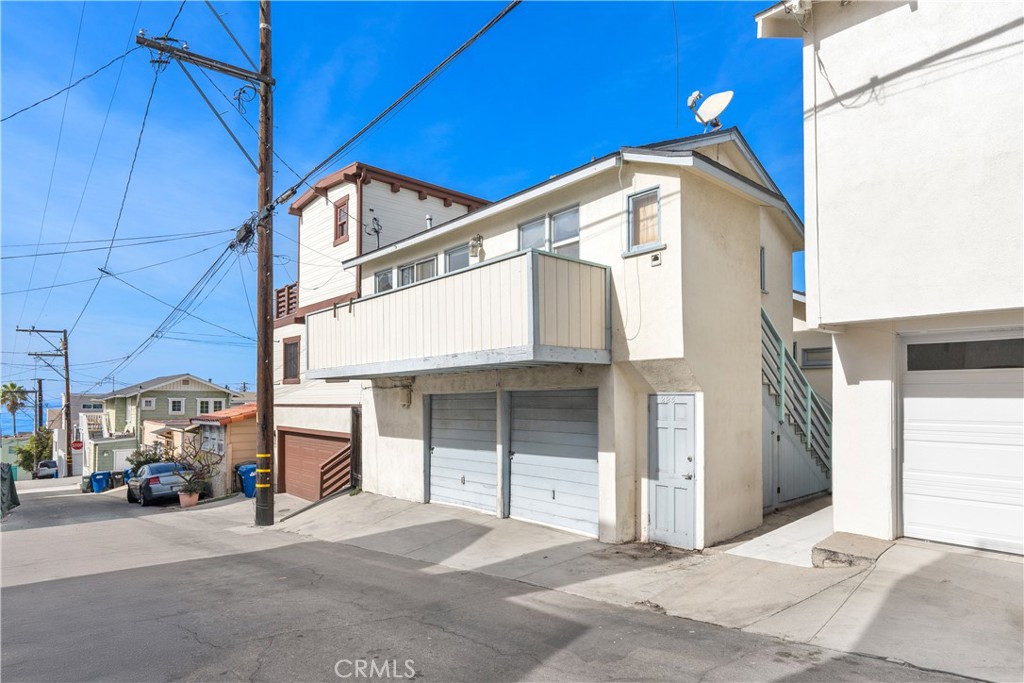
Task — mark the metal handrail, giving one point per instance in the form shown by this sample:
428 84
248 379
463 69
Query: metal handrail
796 395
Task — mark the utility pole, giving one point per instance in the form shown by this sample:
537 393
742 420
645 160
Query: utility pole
39 404
60 350
265 286
264 233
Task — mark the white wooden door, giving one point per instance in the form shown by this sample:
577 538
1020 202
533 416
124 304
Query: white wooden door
672 445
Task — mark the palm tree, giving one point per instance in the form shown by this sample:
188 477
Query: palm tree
13 397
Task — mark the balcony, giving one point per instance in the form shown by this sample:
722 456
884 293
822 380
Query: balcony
522 310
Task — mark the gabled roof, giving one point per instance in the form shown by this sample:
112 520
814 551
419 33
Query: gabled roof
156 383
358 171
228 415
679 152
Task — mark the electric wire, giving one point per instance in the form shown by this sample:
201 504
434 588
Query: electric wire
53 165
155 240
245 291
232 35
104 240
123 272
406 97
131 172
92 164
79 81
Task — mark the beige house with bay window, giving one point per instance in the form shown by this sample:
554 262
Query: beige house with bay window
601 352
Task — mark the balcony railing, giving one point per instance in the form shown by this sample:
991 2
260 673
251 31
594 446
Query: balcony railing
286 300
525 309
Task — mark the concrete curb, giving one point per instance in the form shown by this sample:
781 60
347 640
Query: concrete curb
848 550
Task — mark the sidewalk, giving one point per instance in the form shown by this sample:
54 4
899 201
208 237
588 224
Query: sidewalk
933 606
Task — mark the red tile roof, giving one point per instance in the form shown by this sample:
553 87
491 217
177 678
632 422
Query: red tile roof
229 415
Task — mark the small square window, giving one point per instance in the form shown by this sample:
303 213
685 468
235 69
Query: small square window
291 360
149 404
643 219
382 281
218 405
204 406
532 235
176 406
818 357
456 259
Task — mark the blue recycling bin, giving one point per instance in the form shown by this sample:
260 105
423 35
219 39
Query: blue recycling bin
248 475
128 474
100 481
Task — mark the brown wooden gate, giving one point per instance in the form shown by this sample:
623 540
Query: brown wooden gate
302 460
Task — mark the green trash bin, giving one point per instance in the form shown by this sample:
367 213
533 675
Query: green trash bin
14 472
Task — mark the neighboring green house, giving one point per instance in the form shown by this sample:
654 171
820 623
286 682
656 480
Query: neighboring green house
127 409
8 454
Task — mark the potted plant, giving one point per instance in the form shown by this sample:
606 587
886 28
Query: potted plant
196 467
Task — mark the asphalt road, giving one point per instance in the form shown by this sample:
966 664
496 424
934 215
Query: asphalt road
96 589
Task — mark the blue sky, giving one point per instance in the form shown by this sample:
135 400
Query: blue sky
550 87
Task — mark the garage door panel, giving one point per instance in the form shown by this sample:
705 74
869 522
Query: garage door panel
463 450
303 456
554 478
963 457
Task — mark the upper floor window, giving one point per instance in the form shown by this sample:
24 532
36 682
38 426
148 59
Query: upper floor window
210 405
149 404
290 351
176 406
341 221
644 223
456 259
383 280
92 406
415 272
557 232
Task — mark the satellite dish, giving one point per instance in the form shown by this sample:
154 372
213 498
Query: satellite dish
710 109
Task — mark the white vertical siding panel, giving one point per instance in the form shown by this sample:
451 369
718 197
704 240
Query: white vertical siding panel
586 319
598 308
575 322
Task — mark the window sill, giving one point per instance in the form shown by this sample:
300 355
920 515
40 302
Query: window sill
291 381
646 249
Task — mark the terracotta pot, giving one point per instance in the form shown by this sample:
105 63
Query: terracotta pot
187 500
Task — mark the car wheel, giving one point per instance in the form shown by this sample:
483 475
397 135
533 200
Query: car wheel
143 501
132 498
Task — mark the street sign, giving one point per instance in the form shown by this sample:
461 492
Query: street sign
76 445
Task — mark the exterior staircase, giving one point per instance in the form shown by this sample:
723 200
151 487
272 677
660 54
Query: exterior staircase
798 406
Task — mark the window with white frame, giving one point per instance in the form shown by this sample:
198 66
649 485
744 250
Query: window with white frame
149 404
565 233
644 221
218 404
176 406
210 405
383 280
557 232
92 406
418 271
213 439
456 259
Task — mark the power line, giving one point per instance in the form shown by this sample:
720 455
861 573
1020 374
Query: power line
131 172
245 290
408 95
80 80
92 163
125 239
238 44
155 240
123 272
53 166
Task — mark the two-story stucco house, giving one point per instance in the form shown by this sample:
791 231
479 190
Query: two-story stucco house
360 207
590 353
126 410
914 150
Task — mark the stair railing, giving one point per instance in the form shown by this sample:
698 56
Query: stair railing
794 394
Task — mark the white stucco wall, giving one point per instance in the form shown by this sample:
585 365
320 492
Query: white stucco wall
914 173
866 431
806 338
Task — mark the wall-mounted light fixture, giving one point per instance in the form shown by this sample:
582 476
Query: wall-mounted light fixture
475 245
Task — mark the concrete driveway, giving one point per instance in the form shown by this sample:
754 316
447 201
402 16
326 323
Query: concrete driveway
940 608
96 589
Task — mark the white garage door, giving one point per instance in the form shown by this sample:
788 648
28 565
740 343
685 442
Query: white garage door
463 450
963 443
553 473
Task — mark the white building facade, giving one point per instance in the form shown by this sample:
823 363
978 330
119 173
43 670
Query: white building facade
585 354
914 127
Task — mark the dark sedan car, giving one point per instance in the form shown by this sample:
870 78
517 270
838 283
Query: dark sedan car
155 481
